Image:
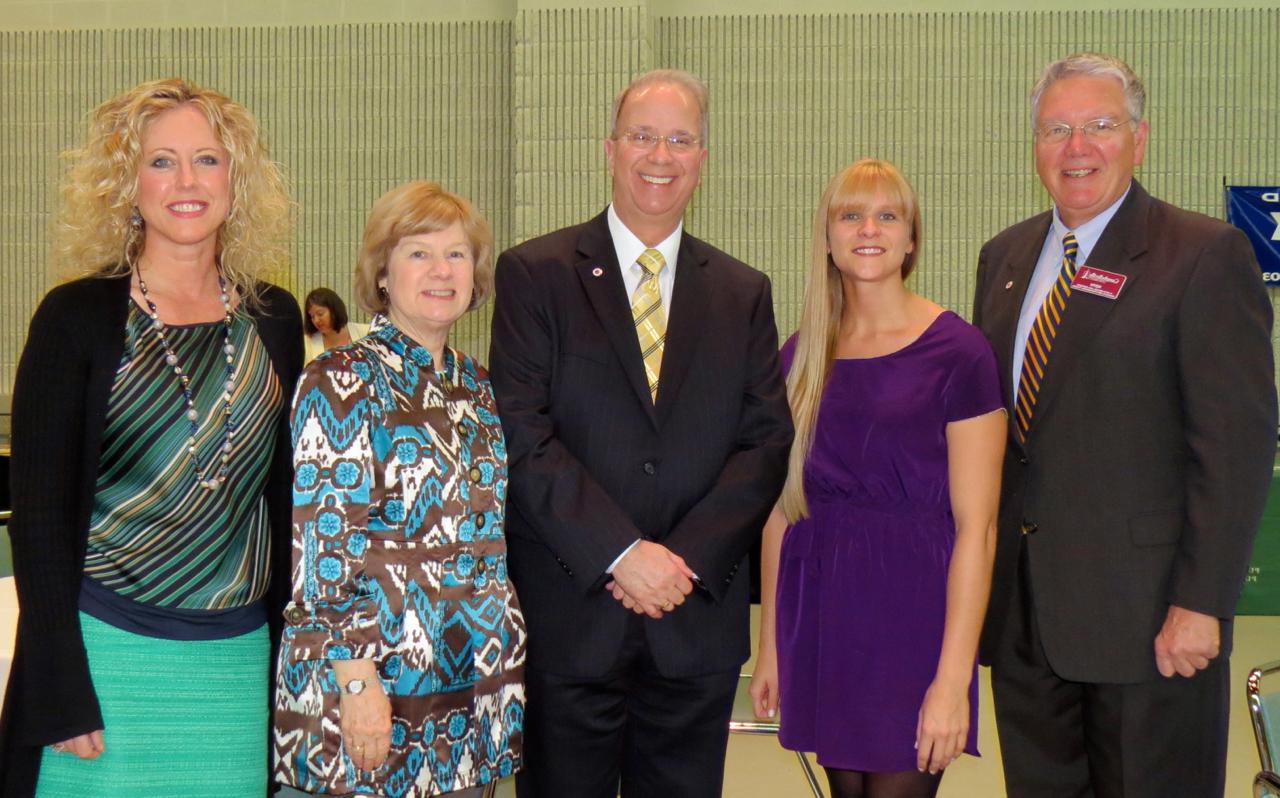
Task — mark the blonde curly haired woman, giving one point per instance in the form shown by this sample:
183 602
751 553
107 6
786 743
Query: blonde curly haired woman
151 462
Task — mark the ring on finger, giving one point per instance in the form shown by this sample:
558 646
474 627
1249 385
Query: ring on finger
59 748
668 606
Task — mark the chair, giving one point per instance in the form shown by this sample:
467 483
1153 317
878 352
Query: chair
743 720
1264 712
6 556
1266 785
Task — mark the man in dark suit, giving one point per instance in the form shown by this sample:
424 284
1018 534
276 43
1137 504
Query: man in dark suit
636 372
1134 345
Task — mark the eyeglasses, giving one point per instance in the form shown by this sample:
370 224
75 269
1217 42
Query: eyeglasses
676 142
1096 129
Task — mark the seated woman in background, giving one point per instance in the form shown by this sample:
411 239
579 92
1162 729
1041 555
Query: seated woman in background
876 562
151 462
401 669
324 320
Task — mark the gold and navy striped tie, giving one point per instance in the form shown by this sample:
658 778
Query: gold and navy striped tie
1040 339
651 322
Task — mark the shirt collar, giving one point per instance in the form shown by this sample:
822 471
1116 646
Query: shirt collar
407 349
1087 234
628 247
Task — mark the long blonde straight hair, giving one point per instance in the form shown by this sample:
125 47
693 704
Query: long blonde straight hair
854 187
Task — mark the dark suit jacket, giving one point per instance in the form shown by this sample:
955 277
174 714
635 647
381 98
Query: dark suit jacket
595 465
1149 456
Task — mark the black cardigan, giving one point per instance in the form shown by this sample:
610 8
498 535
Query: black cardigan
60 396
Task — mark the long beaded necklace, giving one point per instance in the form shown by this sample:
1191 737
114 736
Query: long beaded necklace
203 477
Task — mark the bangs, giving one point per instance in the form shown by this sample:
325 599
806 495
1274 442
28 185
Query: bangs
857 187
424 210
421 208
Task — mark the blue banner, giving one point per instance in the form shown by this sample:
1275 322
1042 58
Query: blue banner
1256 211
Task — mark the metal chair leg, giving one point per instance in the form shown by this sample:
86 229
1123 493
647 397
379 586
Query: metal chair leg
809 775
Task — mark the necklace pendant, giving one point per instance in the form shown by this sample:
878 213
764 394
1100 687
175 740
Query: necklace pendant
203 478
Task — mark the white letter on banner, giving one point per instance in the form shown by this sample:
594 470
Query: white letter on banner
1275 236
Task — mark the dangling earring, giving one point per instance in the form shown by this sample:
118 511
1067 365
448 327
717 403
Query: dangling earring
383 296
132 237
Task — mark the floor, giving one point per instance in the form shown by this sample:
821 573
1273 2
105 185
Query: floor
758 768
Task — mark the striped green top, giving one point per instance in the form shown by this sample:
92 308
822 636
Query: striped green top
155 535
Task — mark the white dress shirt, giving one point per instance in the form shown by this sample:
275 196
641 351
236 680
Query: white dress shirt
629 248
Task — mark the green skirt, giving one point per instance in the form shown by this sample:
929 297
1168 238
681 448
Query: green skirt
182 718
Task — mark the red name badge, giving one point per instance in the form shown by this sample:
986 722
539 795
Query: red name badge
1098 282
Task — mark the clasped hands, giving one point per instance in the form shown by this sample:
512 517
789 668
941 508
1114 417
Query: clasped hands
650 579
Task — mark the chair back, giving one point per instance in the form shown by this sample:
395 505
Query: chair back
6 555
743 720
1262 690
1266 785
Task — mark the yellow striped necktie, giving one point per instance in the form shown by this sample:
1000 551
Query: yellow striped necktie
1040 339
651 322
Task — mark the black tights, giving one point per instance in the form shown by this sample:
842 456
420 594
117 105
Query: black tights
906 784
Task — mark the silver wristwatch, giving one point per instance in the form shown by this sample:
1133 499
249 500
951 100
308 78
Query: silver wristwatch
355 686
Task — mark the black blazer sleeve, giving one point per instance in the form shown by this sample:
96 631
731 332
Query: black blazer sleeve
279 323
590 530
51 402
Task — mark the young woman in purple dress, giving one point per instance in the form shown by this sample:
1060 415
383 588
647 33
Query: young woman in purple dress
877 557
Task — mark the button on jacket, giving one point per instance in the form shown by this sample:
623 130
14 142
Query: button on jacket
399 556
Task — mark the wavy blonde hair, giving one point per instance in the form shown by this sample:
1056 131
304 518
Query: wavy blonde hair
100 187
853 188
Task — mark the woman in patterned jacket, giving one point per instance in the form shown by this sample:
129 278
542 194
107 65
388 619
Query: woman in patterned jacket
402 661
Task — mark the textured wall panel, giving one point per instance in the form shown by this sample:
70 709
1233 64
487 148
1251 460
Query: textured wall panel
568 66
795 98
511 114
350 111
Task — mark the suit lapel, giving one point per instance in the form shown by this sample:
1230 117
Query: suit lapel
1009 284
1118 251
602 282
688 315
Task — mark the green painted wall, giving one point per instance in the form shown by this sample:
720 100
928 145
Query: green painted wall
97 14
510 110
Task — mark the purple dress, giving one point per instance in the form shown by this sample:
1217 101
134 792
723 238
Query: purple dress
862 581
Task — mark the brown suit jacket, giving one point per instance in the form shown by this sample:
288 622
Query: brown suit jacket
1149 455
